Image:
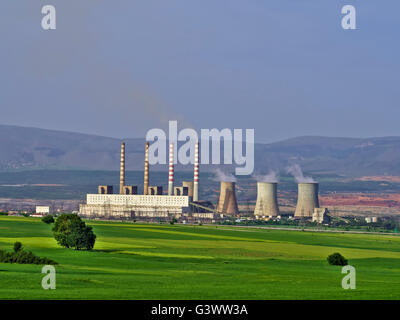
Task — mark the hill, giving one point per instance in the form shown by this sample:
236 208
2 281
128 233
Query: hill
23 148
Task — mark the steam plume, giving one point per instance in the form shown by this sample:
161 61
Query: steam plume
298 175
272 176
222 176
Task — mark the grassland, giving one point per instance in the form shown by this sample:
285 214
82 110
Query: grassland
148 261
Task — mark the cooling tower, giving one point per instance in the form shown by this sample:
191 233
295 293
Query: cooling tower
122 170
227 199
171 170
146 170
307 199
196 173
267 199
189 185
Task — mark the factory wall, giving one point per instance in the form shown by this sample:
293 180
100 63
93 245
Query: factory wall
138 200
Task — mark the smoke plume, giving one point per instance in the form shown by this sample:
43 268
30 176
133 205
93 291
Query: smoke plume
272 176
298 175
222 176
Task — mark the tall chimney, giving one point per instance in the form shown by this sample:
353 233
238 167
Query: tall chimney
227 199
196 173
267 199
146 169
171 170
307 199
122 170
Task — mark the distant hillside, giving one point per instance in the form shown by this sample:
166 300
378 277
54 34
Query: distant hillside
348 156
24 148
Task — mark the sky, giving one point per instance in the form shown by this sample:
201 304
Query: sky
285 68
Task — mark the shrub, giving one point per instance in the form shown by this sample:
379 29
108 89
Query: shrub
23 257
48 219
71 232
17 246
336 259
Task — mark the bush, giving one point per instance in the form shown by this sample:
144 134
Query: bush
48 219
71 232
336 259
17 246
23 257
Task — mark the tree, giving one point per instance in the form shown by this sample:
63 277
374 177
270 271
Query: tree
71 232
17 246
336 259
48 219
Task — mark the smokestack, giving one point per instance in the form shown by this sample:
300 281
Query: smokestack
122 170
146 169
171 170
227 199
196 173
267 199
307 199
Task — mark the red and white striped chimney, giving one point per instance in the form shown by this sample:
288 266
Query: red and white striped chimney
196 173
171 170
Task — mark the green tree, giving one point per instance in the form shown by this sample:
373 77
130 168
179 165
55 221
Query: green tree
48 219
337 259
71 232
17 246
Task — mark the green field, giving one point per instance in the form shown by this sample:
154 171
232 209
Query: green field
149 261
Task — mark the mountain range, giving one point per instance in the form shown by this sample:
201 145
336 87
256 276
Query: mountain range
25 148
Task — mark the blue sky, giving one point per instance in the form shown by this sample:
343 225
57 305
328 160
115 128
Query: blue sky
283 67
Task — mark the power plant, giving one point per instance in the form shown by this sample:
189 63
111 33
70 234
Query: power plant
227 199
152 204
307 199
182 202
267 200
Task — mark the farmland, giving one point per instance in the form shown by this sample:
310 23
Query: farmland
153 261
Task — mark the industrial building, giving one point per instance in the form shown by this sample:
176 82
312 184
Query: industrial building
43 210
227 199
267 200
180 203
307 200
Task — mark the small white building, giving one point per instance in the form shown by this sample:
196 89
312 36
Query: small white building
42 210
